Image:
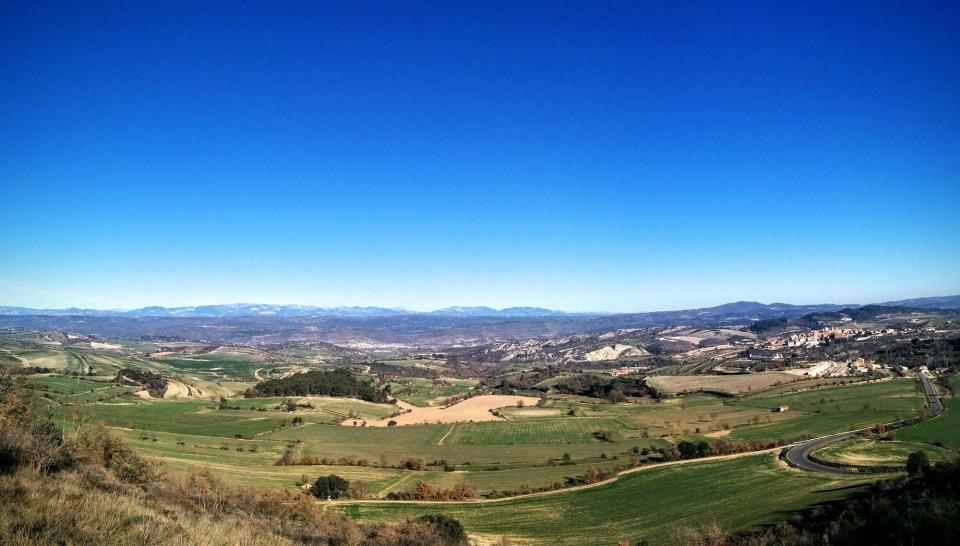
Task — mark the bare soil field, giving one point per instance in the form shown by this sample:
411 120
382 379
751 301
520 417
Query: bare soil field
472 409
108 346
727 384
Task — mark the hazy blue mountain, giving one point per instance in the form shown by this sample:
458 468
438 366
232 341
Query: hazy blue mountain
938 302
464 312
747 310
458 326
517 312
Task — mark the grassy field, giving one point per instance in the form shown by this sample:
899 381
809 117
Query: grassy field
394 444
321 409
802 385
182 417
726 384
871 452
532 431
423 392
54 359
651 505
217 365
944 429
824 411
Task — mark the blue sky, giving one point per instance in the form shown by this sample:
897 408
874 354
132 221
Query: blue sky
581 156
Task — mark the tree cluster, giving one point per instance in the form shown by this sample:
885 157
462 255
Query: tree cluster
320 383
155 384
617 389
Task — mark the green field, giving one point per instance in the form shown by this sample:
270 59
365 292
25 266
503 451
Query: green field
320 409
651 505
824 411
944 429
425 392
870 452
183 417
532 431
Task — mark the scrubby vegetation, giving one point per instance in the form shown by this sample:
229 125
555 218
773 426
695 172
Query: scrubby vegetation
86 487
319 383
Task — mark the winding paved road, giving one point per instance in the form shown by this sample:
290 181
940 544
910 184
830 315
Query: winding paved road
799 454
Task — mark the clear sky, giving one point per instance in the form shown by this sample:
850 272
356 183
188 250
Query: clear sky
580 156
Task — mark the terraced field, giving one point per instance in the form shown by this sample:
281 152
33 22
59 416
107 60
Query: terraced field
54 359
230 365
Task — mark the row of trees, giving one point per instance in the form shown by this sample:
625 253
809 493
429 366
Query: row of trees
425 491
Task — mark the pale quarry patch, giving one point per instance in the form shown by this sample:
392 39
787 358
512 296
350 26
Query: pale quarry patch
614 352
472 409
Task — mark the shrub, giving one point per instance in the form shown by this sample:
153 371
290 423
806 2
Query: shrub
917 462
449 529
96 445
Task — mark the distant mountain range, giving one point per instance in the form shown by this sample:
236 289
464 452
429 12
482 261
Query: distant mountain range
368 327
727 311
267 310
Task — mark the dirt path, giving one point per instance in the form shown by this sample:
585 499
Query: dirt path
453 426
256 374
395 484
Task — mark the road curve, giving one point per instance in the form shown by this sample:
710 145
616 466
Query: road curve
799 454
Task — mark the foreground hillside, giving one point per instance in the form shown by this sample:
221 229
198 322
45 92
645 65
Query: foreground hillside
84 486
